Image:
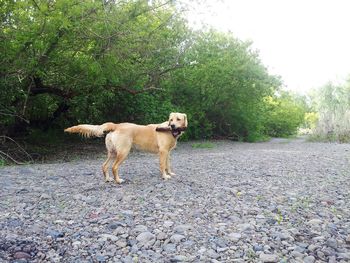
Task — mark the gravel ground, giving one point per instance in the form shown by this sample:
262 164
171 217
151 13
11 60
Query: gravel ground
279 201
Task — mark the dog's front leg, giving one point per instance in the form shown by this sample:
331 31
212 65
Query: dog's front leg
163 155
168 165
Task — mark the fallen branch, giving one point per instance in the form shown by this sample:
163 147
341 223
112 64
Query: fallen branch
7 156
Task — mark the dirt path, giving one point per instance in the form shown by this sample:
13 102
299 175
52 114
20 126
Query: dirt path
280 201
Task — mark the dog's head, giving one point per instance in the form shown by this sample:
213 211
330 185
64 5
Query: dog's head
178 120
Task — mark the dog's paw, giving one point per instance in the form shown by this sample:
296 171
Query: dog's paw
166 177
172 174
119 181
108 179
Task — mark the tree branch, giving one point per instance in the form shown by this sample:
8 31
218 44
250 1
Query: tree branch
40 88
135 92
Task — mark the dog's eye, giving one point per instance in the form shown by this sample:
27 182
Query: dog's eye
171 119
178 119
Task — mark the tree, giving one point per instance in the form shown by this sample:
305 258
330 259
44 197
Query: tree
74 58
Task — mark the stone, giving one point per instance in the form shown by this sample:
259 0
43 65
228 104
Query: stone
314 222
345 256
177 238
258 248
54 233
168 224
100 258
182 229
179 258
245 227
21 255
234 237
169 248
309 259
268 258
161 236
331 242
212 254
106 237
347 240
146 239
121 243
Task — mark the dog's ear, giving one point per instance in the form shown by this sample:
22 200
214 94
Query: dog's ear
185 118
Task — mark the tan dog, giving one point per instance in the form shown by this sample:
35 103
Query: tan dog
123 136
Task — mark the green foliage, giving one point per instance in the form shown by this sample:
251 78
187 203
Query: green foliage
65 62
284 115
332 103
223 89
205 145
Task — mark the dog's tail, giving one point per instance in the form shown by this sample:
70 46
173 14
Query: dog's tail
88 130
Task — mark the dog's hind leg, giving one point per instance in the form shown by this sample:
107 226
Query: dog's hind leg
121 156
115 169
105 167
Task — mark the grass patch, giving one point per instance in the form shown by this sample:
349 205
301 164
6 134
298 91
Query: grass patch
203 145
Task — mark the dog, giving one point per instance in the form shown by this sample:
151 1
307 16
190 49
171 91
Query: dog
156 138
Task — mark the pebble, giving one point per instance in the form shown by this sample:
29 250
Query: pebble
146 239
179 258
177 238
182 229
236 202
268 258
309 259
234 237
314 222
331 242
21 255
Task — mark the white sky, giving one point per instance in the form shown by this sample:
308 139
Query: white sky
306 42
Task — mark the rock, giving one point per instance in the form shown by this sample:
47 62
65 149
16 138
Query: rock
54 233
161 236
314 222
268 258
332 259
312 247
45 196
76 244
344 256
127 259
168 224
100 258
105 237
347 240
115 225
169 248
234 237
177 238
212 254
121 243
258 248
245 227
222 249
183 229
331 242
138 229
146 239
220 242
296 254
21 255
309 259
179 258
